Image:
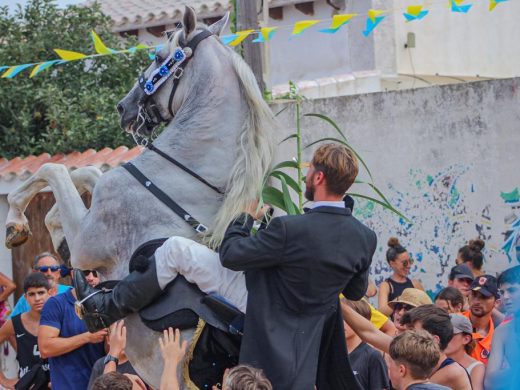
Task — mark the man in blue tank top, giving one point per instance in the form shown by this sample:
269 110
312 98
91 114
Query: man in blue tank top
23 328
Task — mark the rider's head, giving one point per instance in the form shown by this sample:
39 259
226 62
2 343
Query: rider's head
244 377
332 171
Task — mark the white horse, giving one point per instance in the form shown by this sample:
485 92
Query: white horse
221 129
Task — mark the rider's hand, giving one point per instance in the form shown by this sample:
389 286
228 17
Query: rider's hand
171 348
256 212
117 338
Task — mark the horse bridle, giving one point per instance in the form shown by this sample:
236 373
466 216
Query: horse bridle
173 66
149 114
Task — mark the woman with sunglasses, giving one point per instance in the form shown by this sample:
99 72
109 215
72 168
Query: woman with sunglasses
401 263
408 300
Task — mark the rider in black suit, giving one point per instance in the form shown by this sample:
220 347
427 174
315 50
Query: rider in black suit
295 270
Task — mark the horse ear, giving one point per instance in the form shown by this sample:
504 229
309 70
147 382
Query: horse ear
219 26
189 21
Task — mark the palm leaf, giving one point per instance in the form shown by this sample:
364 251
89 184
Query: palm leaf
288 138
274 197
385 205
290 206
330 121
288 180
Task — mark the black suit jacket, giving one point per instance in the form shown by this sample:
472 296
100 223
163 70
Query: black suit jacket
295 270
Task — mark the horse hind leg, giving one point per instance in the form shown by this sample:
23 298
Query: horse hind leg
84 180
72 209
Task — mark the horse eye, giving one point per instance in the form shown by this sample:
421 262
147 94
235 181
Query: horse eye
158 59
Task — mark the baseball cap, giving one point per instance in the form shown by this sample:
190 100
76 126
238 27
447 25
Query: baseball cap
413 297
486 285
461 271
461 324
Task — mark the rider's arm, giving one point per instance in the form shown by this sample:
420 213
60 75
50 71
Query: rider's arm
241 251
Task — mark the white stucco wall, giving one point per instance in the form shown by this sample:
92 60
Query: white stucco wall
445 156
477 43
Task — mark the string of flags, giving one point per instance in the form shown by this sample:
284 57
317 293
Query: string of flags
373 18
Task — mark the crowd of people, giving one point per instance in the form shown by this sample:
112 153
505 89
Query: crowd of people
313 319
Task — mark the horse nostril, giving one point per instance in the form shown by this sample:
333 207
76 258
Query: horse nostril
120 109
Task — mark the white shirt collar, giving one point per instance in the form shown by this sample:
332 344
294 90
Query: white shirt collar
338 203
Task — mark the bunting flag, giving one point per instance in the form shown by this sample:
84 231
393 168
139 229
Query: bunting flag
44 65
373 20
69 55
494 3
240 36
14 70
455 7
338 21
99 45
415 12
227 39
265 34
300 27
138 47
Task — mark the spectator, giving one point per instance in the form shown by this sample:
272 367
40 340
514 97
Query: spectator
461 278
47 264
116 360
64 339
483 298
472 256
427 317
117 381
503 372
244 377
173 352
7 287
25 327
460 348
401 263
409 299
413 357
450 299
367 364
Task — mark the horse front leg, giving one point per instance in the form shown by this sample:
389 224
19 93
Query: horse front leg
72 209
84 180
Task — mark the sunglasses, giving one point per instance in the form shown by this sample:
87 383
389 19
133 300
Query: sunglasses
407 263
87 272
400 306
45 268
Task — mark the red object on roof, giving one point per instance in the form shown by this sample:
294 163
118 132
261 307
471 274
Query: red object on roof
105 159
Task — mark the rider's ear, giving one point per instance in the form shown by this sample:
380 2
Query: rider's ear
219 26
189 22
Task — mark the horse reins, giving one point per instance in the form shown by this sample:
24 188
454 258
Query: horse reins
173 66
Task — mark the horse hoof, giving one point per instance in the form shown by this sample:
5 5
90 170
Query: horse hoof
16 235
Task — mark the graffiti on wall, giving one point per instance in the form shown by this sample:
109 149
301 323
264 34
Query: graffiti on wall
442 217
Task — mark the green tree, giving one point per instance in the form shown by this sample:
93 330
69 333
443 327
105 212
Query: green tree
69 106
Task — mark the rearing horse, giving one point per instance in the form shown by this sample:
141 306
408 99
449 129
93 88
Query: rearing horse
218 126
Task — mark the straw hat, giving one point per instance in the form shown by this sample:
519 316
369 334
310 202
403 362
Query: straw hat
413 297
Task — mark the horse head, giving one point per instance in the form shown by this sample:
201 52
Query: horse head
159 93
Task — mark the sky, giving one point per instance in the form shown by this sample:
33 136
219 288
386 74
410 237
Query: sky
12 3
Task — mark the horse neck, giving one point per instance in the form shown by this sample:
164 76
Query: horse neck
204 136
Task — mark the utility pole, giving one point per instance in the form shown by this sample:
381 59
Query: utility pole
247 19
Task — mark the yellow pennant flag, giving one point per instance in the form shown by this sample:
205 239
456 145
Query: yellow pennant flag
374 13
241 36
303 25
340 20
99 45
266 32
414 10
69 55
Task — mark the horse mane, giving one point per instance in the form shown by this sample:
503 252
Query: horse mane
254 156
255 150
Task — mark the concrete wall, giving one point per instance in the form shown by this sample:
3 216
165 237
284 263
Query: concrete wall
477 43
446 156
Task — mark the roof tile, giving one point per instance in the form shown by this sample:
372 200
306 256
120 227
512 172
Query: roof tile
106 158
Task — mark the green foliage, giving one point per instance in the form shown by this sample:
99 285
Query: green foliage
70 106
282 199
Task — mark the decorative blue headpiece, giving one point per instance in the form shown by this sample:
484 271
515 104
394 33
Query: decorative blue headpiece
170 67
